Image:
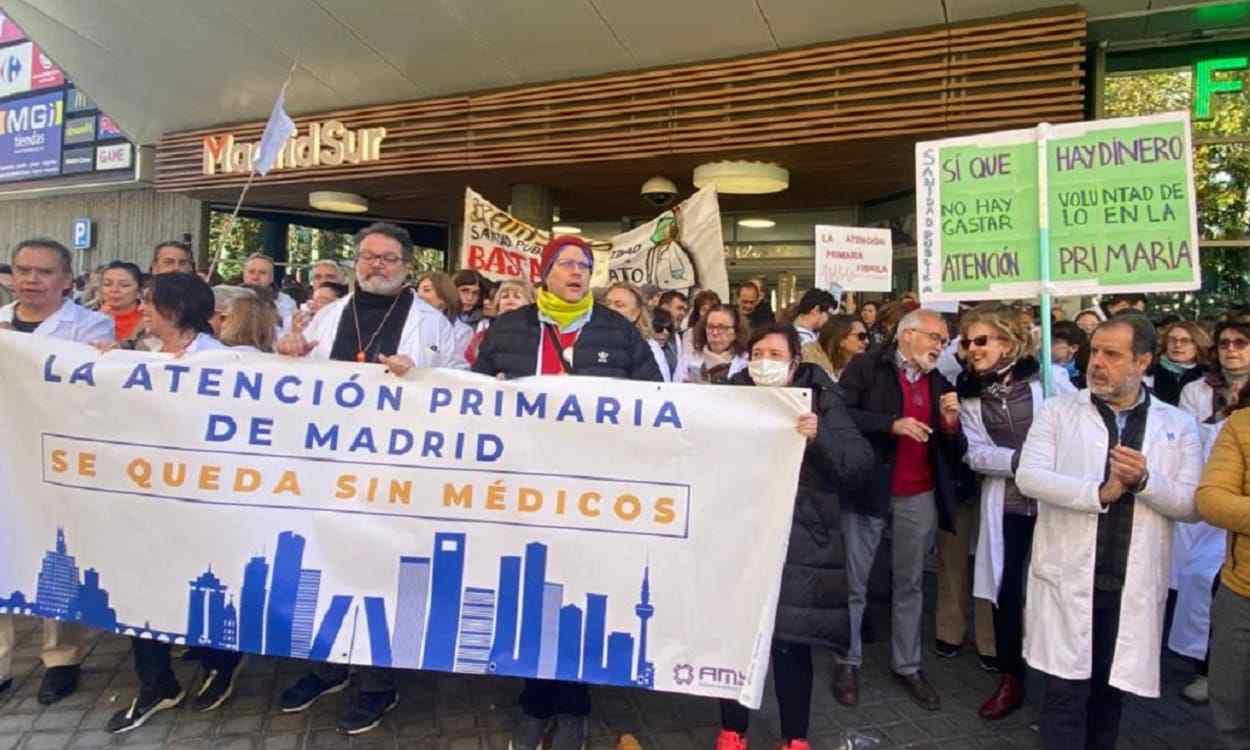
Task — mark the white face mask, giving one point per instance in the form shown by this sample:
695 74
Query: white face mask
769 372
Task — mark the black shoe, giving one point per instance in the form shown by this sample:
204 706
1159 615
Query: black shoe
58 683
5 684
307 691
144 707
946 650
216 689
368 712
989 663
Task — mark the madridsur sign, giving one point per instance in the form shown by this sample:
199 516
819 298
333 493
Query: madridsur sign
1119 202
322 144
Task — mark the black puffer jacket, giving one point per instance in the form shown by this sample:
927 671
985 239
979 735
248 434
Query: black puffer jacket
812 608
609 346
1168 385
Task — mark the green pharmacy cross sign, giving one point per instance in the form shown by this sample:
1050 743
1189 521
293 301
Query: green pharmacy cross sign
1207 85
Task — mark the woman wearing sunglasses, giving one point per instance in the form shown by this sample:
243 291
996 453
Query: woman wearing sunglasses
838 342
1198 548
999 392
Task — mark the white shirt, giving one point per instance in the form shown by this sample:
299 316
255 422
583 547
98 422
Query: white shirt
71 322
428 339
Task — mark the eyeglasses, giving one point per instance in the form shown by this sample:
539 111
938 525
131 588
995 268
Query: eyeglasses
979 341
386 260
720 329
1175 341
936 338
570 265
1234 344
861 336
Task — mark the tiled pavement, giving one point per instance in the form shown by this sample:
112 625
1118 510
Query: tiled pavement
445 712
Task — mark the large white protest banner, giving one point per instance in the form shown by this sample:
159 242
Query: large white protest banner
682 248
855 259
565 528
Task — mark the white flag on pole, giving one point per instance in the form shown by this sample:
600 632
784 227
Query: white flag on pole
279 128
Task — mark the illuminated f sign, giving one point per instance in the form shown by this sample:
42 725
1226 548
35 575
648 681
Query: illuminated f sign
1206 85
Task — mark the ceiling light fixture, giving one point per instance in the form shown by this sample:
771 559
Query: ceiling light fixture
343 203
565 229
742 177
757 223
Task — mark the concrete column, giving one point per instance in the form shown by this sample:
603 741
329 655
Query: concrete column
533 204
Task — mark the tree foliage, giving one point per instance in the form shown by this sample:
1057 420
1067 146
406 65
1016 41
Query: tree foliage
1221 180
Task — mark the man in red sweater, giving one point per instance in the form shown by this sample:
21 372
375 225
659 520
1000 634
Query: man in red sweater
910 414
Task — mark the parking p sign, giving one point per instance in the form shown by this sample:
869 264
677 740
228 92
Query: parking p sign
81 232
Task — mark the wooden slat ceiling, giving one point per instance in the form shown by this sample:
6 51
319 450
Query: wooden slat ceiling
989 75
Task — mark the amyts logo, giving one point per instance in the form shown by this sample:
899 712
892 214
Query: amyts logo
714 677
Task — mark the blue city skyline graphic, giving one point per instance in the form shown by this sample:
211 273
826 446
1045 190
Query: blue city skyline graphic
522 627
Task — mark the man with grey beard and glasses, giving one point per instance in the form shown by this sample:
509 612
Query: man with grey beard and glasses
381 321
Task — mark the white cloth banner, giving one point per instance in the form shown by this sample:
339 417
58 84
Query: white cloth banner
566 528
856 259
682 248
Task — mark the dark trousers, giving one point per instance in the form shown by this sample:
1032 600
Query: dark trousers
1009 612
152 664
544 699
1085 714
792 677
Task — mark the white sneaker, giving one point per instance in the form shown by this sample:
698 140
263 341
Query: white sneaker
1196 692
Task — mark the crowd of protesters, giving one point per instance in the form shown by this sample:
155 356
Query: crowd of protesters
1096 512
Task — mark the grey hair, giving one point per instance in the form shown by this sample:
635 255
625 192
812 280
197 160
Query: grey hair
397 233
224 295
912 320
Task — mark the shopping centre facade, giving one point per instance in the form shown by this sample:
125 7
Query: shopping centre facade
570 116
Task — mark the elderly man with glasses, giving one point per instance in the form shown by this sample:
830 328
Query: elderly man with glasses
910 414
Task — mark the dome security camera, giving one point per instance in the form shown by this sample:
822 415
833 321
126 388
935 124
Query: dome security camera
659 191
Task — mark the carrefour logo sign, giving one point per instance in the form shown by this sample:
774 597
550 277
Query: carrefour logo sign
32 116
11 72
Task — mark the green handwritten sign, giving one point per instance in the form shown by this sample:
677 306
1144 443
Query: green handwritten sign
1119 203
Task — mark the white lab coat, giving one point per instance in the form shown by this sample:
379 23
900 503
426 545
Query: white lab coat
690 365
71 322
1062 466
1197 548
428 339
204 342
993 463
286 309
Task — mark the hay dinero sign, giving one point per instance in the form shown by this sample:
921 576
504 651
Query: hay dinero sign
328 143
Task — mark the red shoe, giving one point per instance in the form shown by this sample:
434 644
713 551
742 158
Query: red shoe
729 740
795 745
1006 699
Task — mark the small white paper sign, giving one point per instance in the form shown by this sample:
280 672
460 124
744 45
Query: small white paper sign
856 259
